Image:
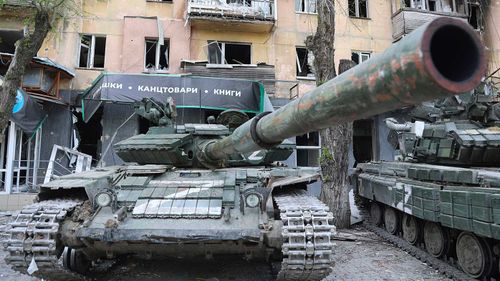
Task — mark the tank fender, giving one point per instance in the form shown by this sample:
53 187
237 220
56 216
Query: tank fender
82 188
288 182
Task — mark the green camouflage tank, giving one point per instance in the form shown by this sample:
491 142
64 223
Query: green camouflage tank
444 193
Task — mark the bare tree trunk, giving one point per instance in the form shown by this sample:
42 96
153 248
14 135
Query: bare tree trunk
335 140
26 49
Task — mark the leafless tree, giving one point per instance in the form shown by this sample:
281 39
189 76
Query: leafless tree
42 15
336 139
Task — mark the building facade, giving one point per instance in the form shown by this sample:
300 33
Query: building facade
261 40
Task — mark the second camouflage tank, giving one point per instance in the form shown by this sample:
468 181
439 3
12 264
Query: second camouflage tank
444 193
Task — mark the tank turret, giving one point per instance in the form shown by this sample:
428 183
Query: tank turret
441 195
460 130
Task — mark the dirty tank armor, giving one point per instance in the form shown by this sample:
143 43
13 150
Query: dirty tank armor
446 190
208 190
443 195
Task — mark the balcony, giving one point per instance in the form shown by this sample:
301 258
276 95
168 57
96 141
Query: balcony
234 15
410 14
23 3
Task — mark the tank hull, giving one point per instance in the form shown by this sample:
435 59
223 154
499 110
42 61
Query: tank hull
453 212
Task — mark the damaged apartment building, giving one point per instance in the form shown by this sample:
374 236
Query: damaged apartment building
222 41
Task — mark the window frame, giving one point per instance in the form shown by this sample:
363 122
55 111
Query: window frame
91 54
309 148
157 53
161 1
297 65
356 10
223 52
306 8
425 6
361 54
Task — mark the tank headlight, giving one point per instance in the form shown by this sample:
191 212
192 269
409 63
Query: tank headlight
103 199
252 200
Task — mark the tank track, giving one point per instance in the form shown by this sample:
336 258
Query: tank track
446 268
307 232
32 234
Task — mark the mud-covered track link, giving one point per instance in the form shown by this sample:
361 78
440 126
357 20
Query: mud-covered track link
33 235
433 244
307 237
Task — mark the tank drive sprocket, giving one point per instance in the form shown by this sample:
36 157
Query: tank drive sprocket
307 233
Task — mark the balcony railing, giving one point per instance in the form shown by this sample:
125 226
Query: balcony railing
405 20
19 3
260 10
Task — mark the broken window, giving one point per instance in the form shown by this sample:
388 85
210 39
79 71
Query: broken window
360 57
308 150
240 2
92 51
432 5
475 18
449 6
358 8
157 54
306 6
8 39
304 63
229 53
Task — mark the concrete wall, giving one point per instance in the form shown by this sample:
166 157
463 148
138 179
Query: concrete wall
492 36
126 27
291 30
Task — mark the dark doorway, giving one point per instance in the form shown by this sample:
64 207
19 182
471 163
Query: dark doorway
363 140
90 135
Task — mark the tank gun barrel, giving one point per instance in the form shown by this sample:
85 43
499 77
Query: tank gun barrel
443 57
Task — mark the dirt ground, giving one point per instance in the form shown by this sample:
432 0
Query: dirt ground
366 258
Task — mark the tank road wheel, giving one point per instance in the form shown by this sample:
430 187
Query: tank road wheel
411 229
474 255
436 239
376 213
391 220
75 260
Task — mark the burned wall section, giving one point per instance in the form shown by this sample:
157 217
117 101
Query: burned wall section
113 118
57 129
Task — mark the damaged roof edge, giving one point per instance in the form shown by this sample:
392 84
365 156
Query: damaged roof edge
47 62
